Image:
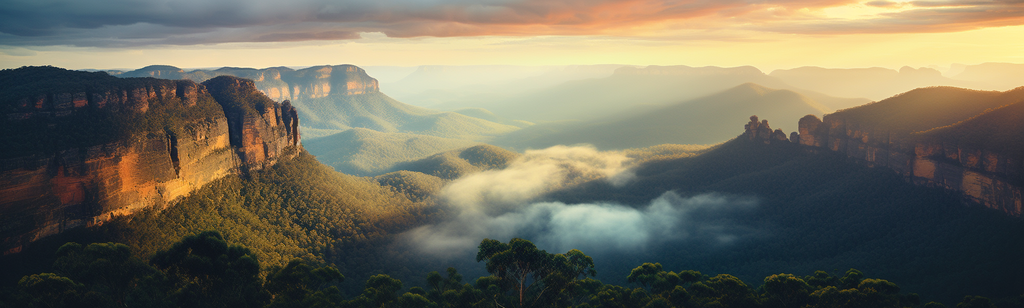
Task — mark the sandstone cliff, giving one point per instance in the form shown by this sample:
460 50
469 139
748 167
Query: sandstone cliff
967 142
81 148
280 83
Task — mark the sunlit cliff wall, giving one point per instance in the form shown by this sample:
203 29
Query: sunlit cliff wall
318 81
48 192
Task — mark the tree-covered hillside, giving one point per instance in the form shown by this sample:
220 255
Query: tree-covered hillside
820 211
366 152
206 270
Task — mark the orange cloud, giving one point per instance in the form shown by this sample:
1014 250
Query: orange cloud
129 23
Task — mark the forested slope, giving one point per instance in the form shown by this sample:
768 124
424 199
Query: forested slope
821 211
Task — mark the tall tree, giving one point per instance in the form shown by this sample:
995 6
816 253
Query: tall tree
534 271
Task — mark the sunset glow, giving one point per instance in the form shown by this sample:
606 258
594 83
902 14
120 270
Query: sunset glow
780 34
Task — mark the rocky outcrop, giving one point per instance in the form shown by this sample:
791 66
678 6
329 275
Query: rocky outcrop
321 81
49 190
980 175
280 83
762 132
260 128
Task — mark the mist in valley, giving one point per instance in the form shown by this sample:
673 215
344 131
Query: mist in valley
352 153
510 202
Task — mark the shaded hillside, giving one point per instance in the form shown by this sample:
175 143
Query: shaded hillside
365 152
454 164
700 121
927 108
884 134
874 83
998 130
823 211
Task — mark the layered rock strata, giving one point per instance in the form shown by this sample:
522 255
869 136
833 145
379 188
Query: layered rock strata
280 83
47 192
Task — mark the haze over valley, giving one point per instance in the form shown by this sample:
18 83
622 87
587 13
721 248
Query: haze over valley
513 154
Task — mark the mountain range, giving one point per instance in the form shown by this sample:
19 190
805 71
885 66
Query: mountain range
703 120
922 188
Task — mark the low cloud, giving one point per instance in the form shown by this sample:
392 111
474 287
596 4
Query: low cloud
502 204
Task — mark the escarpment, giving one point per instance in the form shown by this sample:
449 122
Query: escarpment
969 143
318 81
81 148
280 83
260 128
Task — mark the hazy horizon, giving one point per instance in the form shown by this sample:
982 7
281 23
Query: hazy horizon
780 34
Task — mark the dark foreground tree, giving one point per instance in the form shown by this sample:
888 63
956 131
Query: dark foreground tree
301 285
207 272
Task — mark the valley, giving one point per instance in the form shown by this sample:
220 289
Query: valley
632 166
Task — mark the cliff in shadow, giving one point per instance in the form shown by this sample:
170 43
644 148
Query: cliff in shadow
81 148
962 140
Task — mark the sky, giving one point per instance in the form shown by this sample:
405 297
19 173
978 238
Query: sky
128 34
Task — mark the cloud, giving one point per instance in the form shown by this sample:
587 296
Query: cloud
17 51
591 227
885 4
188 22
915 17
503 204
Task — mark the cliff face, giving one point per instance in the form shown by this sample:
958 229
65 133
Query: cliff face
280 83
961 140
51 189
981 175
261 129
318 81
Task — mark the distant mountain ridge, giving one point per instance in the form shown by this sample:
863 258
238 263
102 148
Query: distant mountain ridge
991 76
703 120
634 90
455 87
874 83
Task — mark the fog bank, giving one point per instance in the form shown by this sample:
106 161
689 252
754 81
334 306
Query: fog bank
502 204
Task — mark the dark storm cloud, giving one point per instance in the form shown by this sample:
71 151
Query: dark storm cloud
189 22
